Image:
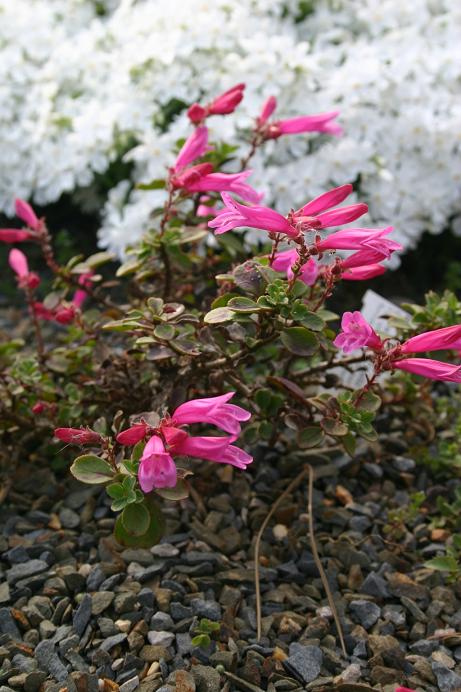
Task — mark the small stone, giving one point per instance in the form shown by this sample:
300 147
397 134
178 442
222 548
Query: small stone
280 532
179 611
34 681
305 663
379 643
374 585
443 658
100 601
164 550
161 621
206 678
206 609
26 569
152 653
183 643
8 624
4 592
411 606
68 518
46 629
18 680
142 556
82 615
48 660
130 685
230 596
447 679
159 638
365 613
124 602
184 681
228 659
110 642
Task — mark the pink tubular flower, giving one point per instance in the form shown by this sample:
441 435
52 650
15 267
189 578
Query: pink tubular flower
369 271
218 182
222 105
361 238
204 209
236 215
321 122
356 333
25 212
157 468
214 410
196 145
14 235
284 261
404 689
437 340
133 435
80 294
18 263
432 369
77 436
218 449
314 215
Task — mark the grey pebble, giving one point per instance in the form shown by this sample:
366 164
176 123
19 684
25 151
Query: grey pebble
82 615
25 569
48 660
206 609
366 613
305 663
68 518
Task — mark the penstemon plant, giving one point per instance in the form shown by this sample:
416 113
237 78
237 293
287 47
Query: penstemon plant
127 366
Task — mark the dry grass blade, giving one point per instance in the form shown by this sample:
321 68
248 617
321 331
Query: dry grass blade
318 563
309 472
294 484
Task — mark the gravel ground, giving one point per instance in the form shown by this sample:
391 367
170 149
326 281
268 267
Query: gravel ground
78 612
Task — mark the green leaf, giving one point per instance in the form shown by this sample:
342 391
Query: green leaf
311 436
179 492
115 491
201 640
299 340
91 469
136 519
242 304
98 258
218 315
148 538
369 402
443 564
313 321
190 235
157 184
164 332
335 427
129 267
349 443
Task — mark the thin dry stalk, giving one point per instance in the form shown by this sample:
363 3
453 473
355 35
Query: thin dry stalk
309 472
323 576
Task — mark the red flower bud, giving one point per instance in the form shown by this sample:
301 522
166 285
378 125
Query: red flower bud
78 436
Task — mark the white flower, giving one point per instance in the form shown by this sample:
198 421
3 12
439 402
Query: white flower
80 89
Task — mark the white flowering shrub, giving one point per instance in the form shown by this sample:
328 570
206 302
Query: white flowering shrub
84 83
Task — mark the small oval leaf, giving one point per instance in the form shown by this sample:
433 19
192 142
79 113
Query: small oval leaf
91 469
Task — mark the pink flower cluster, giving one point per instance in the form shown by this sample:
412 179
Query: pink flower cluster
157 468
200 177
63 312
293 126
358 333
34 225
